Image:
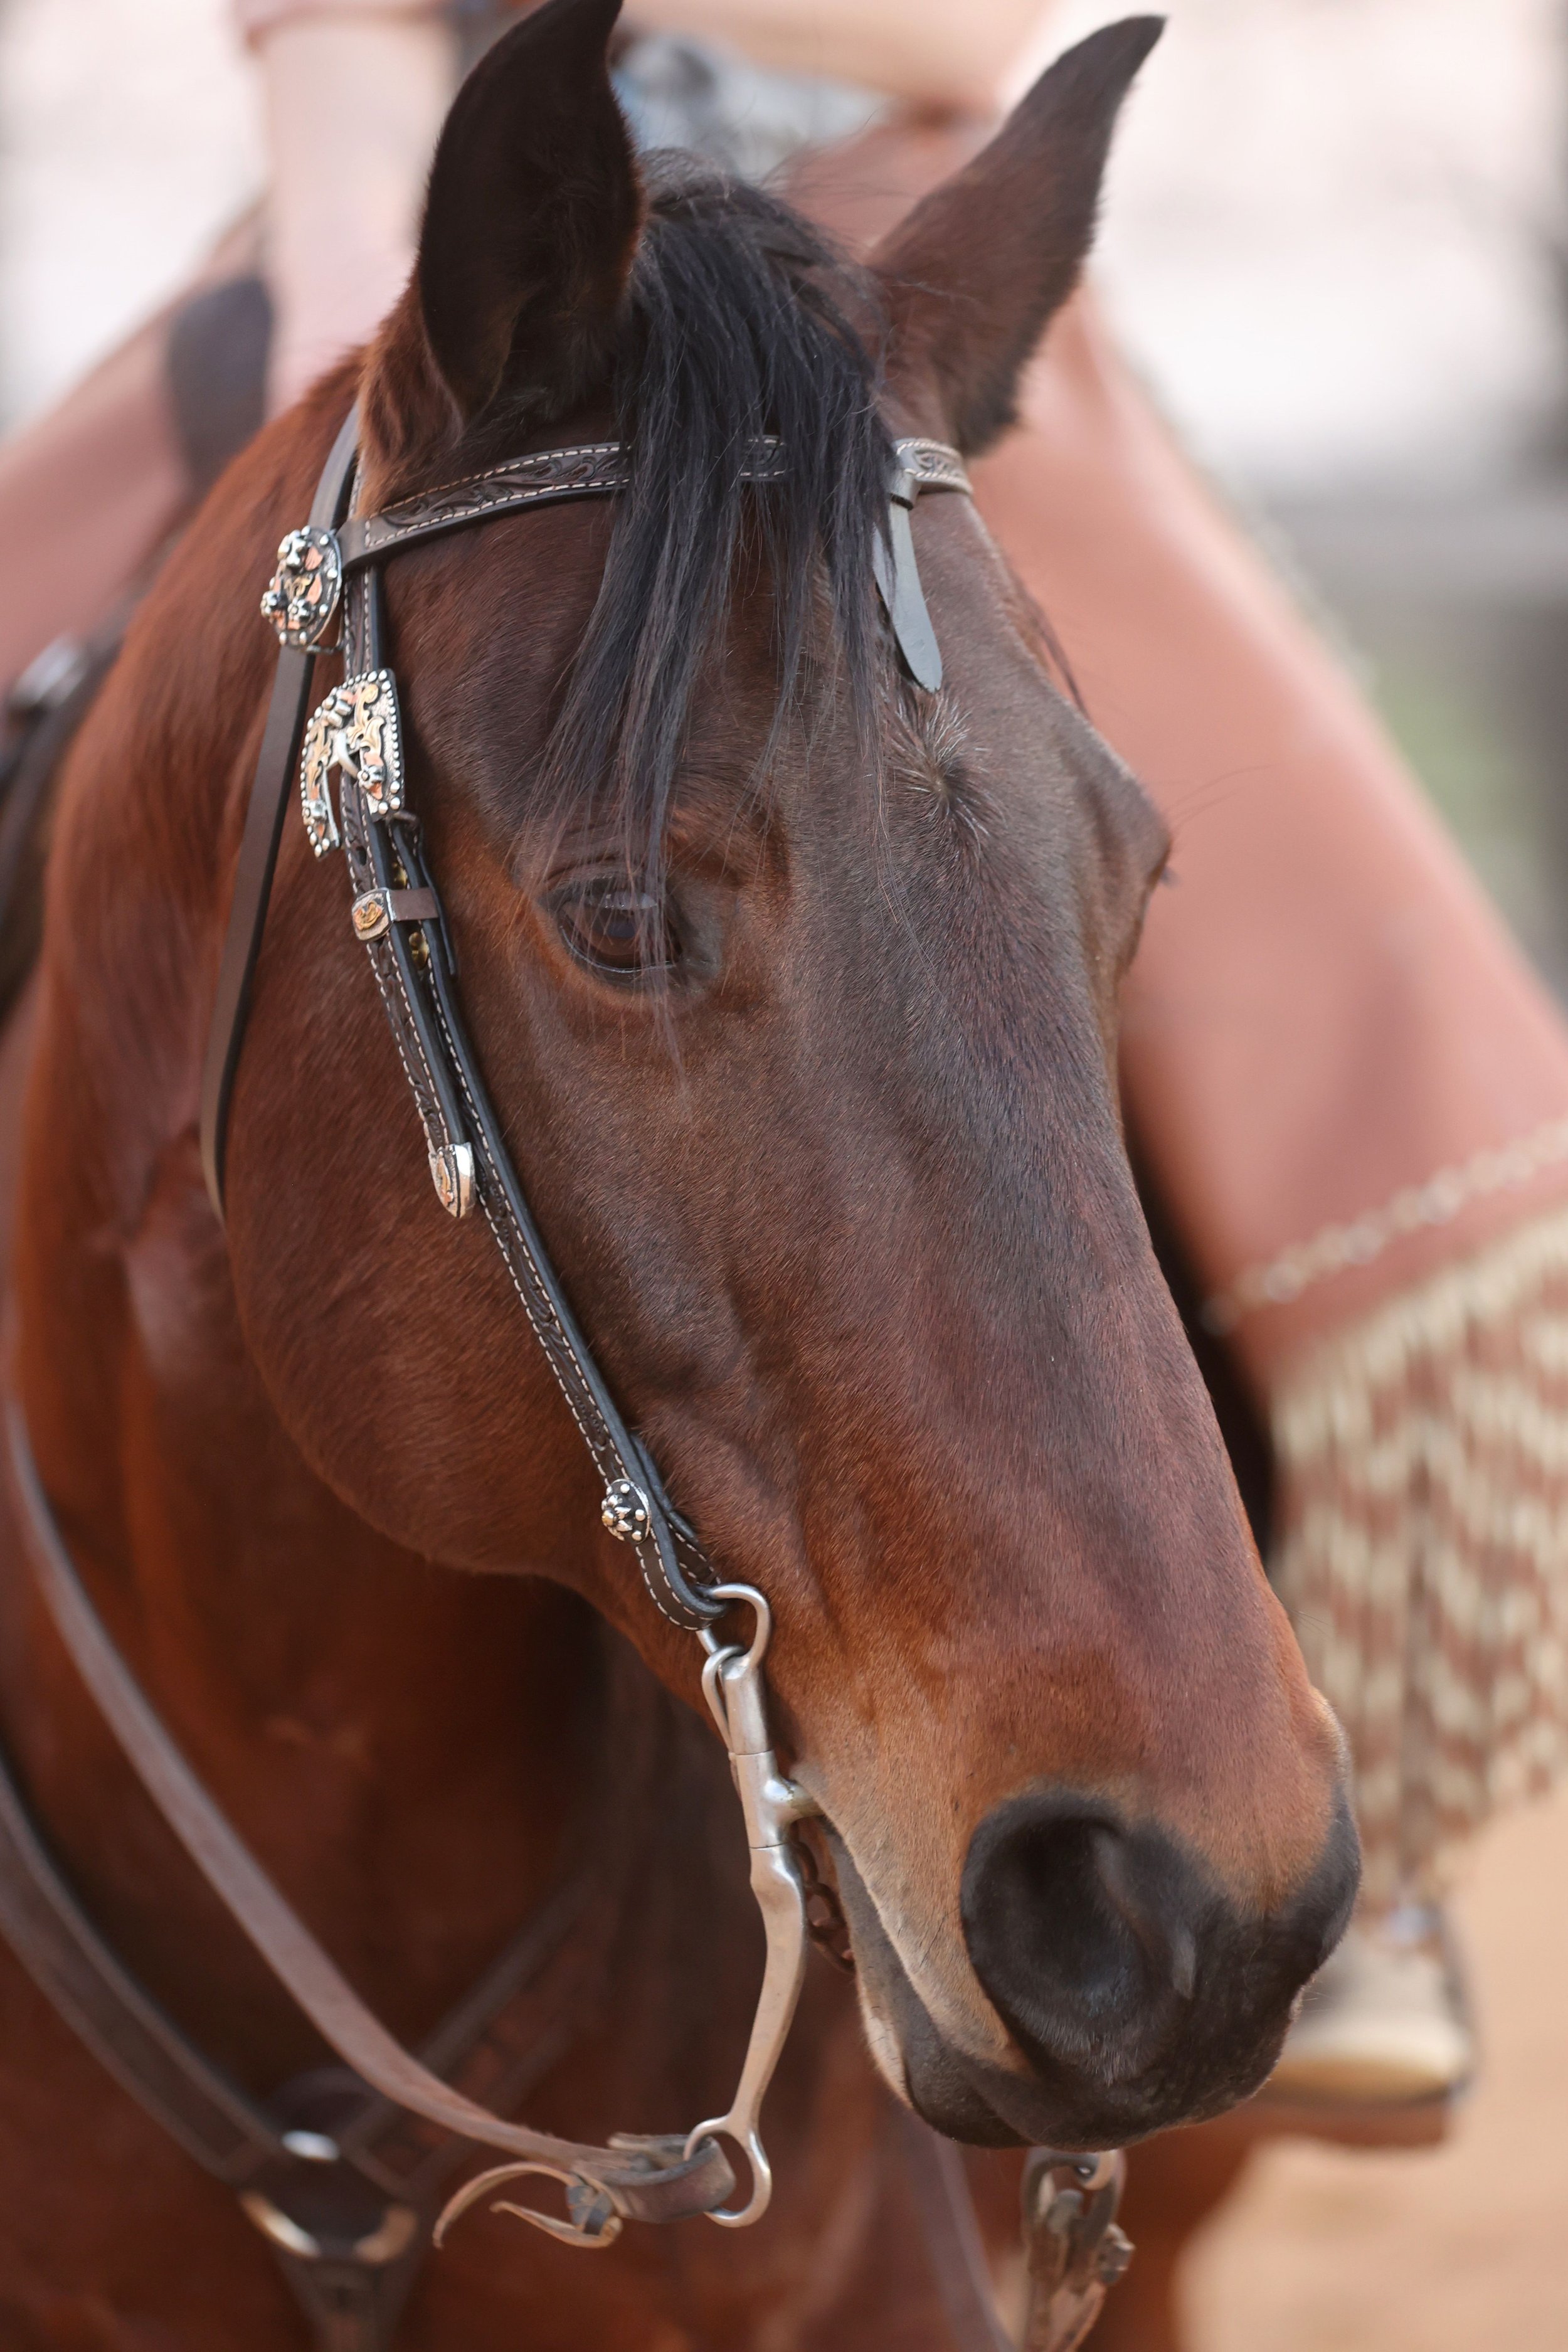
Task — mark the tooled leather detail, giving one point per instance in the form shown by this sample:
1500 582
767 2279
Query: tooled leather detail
431 1050
590 469
533 1294
400 1015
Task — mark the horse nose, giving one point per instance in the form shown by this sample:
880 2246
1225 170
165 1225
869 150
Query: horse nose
1131 1984
1084 1934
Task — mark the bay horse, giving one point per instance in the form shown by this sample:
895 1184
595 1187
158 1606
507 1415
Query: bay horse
796 985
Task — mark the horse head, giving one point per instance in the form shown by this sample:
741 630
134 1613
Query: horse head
795 986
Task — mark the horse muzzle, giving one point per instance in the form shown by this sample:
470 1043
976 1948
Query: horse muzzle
1135 1993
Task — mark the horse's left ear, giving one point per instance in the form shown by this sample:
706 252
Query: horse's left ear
532 216
973 273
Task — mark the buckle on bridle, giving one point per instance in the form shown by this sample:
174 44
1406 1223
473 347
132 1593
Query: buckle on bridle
302 596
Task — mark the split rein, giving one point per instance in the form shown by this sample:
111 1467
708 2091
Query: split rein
326 597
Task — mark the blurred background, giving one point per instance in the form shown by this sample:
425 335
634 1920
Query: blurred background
1336 242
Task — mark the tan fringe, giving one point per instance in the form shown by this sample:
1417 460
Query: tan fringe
1423 1551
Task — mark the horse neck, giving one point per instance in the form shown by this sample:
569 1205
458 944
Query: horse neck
405 1748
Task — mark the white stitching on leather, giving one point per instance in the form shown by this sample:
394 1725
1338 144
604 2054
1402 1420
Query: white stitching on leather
595 1445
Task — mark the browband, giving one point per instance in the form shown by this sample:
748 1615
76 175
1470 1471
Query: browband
305 595
594 469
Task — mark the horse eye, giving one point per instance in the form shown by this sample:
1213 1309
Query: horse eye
615 928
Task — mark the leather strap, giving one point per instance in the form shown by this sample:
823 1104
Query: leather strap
42 714
591 469
951 2235
275 765
586 471
214 2121
349 2232
922 466
411 962
897 578
648 2181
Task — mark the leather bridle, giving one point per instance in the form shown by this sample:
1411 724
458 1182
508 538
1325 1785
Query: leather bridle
328 578
326 596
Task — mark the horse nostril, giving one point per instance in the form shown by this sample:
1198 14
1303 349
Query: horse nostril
1084 1934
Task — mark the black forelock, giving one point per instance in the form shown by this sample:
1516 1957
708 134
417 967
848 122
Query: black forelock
738 324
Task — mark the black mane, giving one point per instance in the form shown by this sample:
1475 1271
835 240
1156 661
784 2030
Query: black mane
738 325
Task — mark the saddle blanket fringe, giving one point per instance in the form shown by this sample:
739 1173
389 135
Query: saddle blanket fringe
1423 1552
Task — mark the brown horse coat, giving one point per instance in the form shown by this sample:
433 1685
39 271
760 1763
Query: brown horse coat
838 1184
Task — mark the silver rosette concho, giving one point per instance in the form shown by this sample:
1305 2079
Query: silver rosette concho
356 732
303 593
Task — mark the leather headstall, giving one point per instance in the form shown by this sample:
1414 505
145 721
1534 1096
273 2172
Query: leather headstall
325 596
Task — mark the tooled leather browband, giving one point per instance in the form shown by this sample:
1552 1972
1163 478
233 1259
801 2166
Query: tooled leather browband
591 469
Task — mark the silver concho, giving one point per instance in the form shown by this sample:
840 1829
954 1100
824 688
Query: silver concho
624 1511
356 732
302 594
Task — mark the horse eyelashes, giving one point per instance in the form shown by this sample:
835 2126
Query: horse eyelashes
616 929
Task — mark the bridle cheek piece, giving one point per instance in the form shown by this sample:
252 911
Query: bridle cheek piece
326 597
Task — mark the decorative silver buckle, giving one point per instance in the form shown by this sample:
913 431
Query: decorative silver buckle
302 596
356 729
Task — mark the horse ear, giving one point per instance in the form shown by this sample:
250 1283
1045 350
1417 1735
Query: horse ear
973 273
533 216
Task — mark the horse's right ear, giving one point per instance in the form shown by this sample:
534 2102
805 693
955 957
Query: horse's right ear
531 219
